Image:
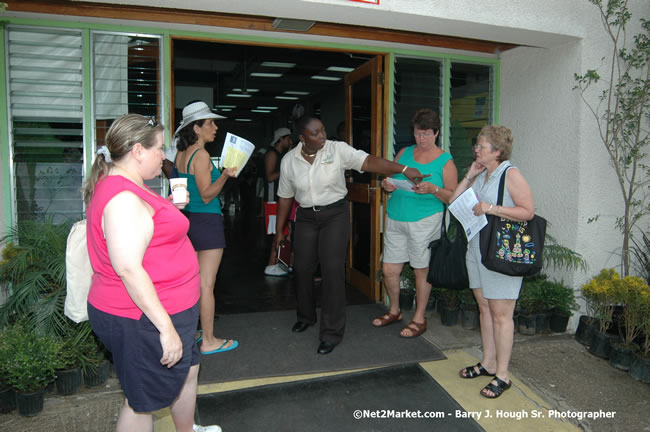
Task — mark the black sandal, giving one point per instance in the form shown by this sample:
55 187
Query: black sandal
496 390
470 372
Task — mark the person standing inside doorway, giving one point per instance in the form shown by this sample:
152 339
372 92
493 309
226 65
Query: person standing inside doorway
279 145
314 174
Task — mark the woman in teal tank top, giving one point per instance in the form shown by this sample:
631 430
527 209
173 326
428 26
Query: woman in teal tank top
414 218
204 183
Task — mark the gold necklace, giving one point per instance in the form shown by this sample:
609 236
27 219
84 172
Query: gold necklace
305 154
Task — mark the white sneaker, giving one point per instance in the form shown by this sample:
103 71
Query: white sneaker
213 428
275 270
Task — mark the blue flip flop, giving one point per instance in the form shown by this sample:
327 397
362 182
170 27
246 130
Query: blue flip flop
200 338
234 345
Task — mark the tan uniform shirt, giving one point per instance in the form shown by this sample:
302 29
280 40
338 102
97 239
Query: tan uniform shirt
322 182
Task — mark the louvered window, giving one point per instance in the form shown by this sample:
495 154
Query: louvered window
471 108
127 79
45 98
418 84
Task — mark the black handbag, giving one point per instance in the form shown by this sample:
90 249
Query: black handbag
447 268
510 247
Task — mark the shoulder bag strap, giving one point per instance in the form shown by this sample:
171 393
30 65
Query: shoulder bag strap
502 184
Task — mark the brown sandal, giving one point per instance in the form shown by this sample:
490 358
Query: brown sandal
388 318
415 329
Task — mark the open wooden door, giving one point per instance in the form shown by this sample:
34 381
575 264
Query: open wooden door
364 101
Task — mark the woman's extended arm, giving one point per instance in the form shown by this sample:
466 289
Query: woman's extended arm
378 165
201 167
128 229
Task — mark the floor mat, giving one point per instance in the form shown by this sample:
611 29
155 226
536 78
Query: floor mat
268 347
398 398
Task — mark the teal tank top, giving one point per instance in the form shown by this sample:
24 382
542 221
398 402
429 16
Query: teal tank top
196 204
406 206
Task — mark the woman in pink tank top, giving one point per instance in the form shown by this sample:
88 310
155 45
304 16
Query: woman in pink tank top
143 300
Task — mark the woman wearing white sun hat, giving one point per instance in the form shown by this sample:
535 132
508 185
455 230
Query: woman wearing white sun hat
204 183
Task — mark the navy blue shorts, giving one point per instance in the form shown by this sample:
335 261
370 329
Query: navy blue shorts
206 231
135 344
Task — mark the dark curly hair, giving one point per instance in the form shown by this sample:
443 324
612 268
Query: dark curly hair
187 136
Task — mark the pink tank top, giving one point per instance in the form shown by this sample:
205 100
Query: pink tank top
169 260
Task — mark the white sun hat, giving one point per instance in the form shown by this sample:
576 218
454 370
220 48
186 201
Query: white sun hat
279 133
196 111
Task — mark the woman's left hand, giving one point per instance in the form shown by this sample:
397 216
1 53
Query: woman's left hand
230 172
424 188
172 348
481 208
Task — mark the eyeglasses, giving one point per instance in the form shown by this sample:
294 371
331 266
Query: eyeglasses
480 147
152 122
426 134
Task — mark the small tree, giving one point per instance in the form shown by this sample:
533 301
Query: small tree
622 113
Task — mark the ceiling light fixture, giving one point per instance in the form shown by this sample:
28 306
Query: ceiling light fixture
292 24
340 69
287 97
299 93
250 90
225 106
260 111
267 107
238 95
266 75
326 78
277 64
243 119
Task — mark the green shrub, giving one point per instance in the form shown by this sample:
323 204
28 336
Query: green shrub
33 360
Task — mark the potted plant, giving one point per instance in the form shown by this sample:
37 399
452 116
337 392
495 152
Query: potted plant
449 307
628 292
7 393
96 368
68 370
531 302
640 366
469 309
561 302
32 366
598 294
406 288
32 272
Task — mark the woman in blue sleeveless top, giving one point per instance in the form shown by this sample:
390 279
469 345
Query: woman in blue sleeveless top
204 183
414 218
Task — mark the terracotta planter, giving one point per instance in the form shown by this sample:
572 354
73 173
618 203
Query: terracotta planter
640 368
621 356
30 404
7 400
68 381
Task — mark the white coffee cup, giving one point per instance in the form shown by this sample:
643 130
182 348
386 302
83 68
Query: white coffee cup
179 190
